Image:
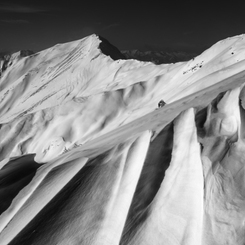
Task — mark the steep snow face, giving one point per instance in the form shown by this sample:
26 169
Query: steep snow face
99 163
176 213
223 159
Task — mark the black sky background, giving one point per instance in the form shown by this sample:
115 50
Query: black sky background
36 25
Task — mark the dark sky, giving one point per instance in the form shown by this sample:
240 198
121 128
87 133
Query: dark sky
37 25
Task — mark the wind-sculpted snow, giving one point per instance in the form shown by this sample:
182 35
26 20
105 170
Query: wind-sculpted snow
87 158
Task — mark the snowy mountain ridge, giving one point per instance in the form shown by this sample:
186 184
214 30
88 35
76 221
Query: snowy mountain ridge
83 144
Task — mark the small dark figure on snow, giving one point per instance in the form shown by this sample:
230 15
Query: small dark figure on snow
161 104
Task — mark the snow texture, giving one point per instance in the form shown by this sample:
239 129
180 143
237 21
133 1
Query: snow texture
87 157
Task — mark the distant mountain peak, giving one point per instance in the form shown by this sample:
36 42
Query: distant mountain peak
159 57
6 59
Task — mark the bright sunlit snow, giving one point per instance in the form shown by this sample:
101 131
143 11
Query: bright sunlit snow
87 157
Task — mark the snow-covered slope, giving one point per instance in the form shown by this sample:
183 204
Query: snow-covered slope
87 158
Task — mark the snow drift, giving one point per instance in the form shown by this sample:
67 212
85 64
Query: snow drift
86 157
